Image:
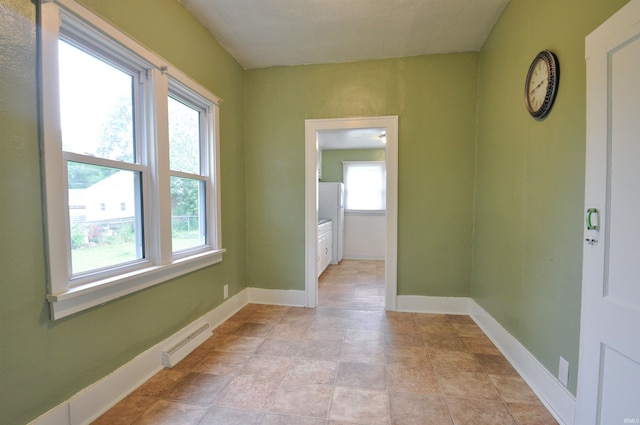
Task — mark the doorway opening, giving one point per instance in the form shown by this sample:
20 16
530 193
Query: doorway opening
386 127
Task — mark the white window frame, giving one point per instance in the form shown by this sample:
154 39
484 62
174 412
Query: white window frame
345 166
67 294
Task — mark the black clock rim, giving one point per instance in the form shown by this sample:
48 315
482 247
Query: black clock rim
552 89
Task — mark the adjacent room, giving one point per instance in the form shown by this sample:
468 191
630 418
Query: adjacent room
319 212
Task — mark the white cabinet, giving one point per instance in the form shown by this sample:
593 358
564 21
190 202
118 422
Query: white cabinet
325 240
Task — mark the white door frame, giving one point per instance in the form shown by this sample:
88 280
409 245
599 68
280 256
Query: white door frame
311 200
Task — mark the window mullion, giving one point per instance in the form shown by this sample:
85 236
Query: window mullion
212 142
158 149
56 196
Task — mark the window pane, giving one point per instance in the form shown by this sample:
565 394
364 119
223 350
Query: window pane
96 111
365 186
184 137
187 226
103 233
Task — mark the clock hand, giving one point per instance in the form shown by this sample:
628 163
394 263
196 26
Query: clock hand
536 87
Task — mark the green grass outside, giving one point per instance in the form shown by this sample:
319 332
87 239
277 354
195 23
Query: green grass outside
105 255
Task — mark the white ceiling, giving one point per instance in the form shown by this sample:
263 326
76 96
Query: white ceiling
361 138
264 33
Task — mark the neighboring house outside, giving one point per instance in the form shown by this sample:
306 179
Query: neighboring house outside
107 204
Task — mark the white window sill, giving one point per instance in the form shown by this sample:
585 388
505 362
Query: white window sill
365 212
96 293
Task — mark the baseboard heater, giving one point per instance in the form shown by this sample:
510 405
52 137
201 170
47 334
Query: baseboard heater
182 349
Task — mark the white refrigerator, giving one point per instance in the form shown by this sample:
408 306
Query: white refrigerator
331 206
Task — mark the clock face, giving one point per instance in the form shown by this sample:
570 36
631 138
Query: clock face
541 85
538 84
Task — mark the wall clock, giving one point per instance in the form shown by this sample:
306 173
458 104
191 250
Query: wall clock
541 85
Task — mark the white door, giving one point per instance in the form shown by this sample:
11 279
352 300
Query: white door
609 374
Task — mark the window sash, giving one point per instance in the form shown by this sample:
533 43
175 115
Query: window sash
68 294
378 190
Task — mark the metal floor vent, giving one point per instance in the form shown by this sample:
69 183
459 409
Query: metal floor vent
179 351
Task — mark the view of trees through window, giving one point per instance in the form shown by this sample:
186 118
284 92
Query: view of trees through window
105 202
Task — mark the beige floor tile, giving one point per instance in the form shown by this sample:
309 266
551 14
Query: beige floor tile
411 378
278 419
480 345
226 416
279 347
416 356
222 363
437 328
267 367
240 344
312 371
214 341
311 400
200 388
527 414
251 329
361 406
319 349
338 365
167 412
479 412
493 364
426 318
468 385
248 392
452 362
513 389
160 383
404 340
362 353
192 361
468 330
355 336
451 342
229 326
330 321
126 411
319 333
289 330
362 375
419 409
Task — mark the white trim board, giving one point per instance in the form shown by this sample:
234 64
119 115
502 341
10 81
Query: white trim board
284 297
556 398
312 127
91 402
438 305
96 399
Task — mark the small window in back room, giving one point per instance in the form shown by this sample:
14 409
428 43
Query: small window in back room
365 185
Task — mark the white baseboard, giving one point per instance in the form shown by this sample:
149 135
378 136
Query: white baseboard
362 257
558 400
441 305
96 399
91 402
277 297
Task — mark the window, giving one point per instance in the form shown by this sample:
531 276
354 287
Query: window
121 127
365 185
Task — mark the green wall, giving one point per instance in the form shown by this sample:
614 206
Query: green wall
43 362
332 161
527 252
435 99
463 126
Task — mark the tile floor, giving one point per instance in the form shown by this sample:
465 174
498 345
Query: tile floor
346 362
352 284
